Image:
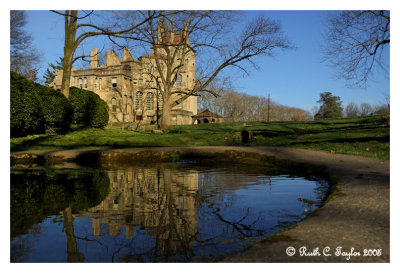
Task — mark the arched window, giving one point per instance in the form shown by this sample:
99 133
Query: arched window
149 101
114 104
179 80
85 82
139 101
80 83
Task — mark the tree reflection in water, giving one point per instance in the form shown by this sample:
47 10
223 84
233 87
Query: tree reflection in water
162 214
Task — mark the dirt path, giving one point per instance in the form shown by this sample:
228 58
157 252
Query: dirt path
358 218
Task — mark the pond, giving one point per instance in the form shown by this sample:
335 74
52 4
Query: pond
175 212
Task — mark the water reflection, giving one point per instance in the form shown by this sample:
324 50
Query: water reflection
169 213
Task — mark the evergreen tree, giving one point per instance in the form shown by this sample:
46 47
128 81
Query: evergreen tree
50 73
331 107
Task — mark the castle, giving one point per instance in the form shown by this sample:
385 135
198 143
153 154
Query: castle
129 86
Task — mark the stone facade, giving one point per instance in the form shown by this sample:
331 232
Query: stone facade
129 88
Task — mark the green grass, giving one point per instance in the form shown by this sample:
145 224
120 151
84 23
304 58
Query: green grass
368 136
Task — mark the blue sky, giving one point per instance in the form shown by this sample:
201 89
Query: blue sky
293 78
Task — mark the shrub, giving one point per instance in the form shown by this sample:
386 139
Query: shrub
57 110
37 109
100 114
26 115
89 109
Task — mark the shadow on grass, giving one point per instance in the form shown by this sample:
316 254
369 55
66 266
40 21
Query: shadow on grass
44 143
25 144
384 139
290 130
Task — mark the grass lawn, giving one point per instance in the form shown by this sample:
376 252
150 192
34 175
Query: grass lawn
367 136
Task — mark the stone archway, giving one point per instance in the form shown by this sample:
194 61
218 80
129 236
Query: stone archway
206 120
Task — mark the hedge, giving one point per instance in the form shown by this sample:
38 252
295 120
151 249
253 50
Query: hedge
26 115
56 109
37 109
89 109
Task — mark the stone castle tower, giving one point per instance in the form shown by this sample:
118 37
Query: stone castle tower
129 88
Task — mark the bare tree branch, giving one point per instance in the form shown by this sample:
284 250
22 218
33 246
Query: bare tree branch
355 42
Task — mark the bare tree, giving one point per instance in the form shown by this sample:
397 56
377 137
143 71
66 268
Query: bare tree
314 110
381 109
200 32
235 106
366 109
355 43
24 58
387 100
84 31
352 110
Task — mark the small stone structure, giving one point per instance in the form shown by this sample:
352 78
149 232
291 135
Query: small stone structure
207 117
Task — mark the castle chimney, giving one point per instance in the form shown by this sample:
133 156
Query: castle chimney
93 58
126 55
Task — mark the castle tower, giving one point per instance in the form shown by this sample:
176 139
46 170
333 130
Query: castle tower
94 59
126 54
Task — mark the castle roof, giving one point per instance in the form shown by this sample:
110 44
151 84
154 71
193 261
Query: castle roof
207 113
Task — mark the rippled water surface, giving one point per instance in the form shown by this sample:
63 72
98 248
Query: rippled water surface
164 213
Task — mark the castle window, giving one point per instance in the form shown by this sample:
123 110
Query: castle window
149 68
139 101
100 83
85 82
114 82
80 83
179 80
149 101
95 83
134 81
114 104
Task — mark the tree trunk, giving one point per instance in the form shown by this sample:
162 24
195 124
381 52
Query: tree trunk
67 67
166 116
69 49
73 255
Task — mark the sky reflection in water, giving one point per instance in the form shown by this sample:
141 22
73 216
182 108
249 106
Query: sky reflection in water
167 213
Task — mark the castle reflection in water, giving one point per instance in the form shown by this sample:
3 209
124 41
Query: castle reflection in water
161 201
